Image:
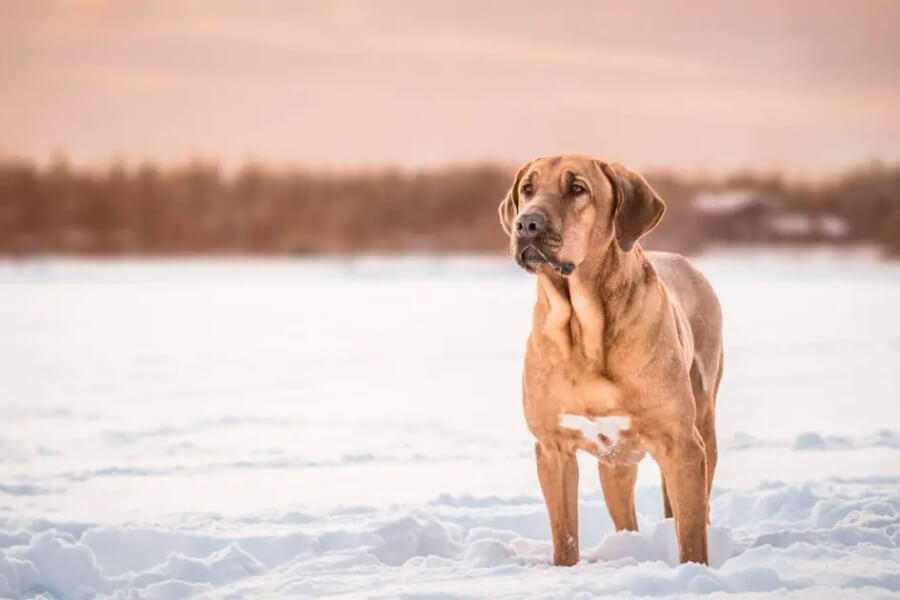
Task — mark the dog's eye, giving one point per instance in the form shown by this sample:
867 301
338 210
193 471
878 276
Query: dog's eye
527 189
577 189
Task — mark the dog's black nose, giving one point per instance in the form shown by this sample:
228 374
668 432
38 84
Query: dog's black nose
531 224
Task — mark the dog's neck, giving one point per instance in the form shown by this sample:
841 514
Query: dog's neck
612 276
587 311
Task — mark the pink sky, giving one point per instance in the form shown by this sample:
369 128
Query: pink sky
805 87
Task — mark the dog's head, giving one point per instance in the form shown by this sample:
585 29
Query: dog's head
563 210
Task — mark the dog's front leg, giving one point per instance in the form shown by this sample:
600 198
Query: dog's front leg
558 474
683 464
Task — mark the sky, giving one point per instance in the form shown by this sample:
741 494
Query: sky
805 87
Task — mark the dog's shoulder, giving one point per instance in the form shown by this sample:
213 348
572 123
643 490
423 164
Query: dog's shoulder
689 286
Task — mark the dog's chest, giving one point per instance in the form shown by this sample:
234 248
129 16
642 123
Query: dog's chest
585 413
609 438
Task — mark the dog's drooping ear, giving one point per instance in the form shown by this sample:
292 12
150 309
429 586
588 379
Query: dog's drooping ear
638 208
509 208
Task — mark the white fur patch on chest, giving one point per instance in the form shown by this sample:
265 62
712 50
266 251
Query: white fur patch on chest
603 431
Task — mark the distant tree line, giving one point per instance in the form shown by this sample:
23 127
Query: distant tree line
198 209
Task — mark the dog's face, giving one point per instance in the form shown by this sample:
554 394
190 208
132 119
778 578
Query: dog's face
564 209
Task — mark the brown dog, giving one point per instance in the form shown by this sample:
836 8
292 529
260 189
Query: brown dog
625 352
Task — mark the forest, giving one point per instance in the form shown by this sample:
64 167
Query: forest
199 208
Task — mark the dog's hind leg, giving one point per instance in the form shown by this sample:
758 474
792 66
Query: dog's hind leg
617 482
705 421
667 504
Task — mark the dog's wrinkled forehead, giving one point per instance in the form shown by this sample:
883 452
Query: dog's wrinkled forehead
558 173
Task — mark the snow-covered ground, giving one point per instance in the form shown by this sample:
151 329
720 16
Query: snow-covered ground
353 429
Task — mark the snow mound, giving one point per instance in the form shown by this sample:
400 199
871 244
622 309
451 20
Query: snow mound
811 440
842 535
